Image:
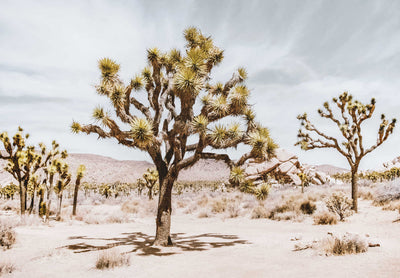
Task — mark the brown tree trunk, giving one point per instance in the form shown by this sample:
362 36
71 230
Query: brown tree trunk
163 222
22 196
354 188
150 193
76 190
59 206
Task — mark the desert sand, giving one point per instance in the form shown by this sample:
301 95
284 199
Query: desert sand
207 247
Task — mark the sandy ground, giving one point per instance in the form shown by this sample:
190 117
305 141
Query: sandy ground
207 247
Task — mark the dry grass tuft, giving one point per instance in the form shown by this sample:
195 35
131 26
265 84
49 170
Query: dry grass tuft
7 234
6 268
325 218
346 244
112 258
260 212
130 207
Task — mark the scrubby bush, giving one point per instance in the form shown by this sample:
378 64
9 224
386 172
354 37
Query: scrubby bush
6 268
260 212
341 205
308 207
325 218
346 244
7 234
130 207
111 258
219 206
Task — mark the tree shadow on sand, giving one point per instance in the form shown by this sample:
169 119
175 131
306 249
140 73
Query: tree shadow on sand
141 243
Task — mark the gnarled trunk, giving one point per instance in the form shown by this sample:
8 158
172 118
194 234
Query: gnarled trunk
163 221
354 188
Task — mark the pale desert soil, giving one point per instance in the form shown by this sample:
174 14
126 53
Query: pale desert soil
207 247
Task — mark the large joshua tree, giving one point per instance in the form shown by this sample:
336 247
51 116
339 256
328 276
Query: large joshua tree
172 126
351 114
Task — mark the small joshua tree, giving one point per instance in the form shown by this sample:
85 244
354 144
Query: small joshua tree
169 119
351 115
23 162
150 178
64 178
79 175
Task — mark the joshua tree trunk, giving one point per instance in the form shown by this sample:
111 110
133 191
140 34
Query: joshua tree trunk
150 193
163 221
354 187
32 202
22 195
32 199
76 190
59 205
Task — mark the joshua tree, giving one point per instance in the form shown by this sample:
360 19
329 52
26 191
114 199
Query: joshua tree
50 159
172 125
150 178
64 178
23 161
351 114
79 175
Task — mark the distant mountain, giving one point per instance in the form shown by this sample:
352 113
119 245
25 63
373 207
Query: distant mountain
101 169
330 169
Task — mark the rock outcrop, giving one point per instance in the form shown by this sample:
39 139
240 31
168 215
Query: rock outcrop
284 168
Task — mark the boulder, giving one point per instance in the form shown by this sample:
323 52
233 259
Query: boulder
285 168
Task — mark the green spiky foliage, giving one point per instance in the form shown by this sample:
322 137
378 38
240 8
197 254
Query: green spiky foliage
236 176
262 191
22 161
348 119
9 191
165 123
150 178
79 175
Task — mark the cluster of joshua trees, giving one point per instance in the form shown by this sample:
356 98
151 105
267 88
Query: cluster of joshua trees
178 114
38 171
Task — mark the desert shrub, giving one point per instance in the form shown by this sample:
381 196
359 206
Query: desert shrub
104 218
203 201
219 206
111 258
325 218
117 218
366 193
203 214
260 212
346 244
388 196
308 207
233 210
6 268
341 205
7 234
130 207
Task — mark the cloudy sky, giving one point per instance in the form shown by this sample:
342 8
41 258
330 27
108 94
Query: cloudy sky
298 54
